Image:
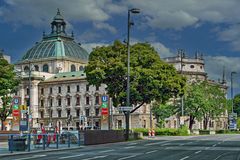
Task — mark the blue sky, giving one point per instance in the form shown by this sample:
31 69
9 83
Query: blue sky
210 27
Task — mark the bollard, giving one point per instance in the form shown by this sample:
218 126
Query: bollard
29 142
44 138
68 140
57 141
78 138
11 144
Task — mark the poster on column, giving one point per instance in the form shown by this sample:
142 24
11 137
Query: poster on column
104 113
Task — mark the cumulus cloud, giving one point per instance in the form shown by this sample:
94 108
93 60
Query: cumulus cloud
105 26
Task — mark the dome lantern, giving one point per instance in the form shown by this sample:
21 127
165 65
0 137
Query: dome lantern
58 24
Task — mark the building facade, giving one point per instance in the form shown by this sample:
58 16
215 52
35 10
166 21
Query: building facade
193 69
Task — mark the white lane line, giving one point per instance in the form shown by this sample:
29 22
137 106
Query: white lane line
78 155
198 152
150 144
96 157
129 147
181 144
151 151
127 157
214 145
207 148
35 156
189 142
131 144
165 144
110 150
184 158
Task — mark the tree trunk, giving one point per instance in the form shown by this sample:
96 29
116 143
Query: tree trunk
2 128
191 121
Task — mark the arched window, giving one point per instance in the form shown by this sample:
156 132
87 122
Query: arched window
191 66
81 68
26 69
73 68
36 68
45 68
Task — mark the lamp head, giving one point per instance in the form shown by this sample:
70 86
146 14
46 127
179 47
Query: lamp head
135 10
233 72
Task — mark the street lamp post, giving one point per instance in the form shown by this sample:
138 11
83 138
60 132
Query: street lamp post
232 88
29 96
129 24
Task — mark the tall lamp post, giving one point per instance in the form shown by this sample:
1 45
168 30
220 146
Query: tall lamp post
232 88
129 24
29 96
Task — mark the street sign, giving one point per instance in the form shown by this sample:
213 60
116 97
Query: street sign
124 108
233 121
104 98
16 100
104 111
16 113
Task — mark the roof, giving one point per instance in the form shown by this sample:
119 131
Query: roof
57 44
67 76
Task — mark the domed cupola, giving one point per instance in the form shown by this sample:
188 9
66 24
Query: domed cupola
58 23
57 45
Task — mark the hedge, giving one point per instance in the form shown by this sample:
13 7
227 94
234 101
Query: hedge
164 131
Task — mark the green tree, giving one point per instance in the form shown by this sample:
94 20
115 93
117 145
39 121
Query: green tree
8 84
204 101
236 104
162 111
150 77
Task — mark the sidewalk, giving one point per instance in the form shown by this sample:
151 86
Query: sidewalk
4 152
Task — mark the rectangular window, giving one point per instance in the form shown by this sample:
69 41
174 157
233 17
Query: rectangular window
68 113
51 102
97 111
42 114
27 91
42 91
68 89
87 87
87 100
59 113
97 88
78 101
78 112
59 102
97 100
41 103
87 112
50 90
51 112
68 101
59 90
78 88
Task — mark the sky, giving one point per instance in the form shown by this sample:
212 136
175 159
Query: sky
210 27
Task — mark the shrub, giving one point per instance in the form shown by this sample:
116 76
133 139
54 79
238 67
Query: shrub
164 131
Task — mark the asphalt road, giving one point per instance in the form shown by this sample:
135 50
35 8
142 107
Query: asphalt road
213 147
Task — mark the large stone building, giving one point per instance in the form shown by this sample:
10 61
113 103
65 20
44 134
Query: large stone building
193 69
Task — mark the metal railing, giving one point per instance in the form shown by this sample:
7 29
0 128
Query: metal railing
31 142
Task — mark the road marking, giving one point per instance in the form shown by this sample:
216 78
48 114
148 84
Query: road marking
78 155
131 144
127 157
198 152
35 156
214 145
150 144
206 148
184 158
129 147
220 156
181 144
151 151
96 157
165 144
110 150
189 142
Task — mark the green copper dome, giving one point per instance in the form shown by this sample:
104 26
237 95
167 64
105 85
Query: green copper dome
57 44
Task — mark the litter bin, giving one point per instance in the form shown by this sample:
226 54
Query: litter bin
17 144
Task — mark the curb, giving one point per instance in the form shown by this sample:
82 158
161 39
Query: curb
39 151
